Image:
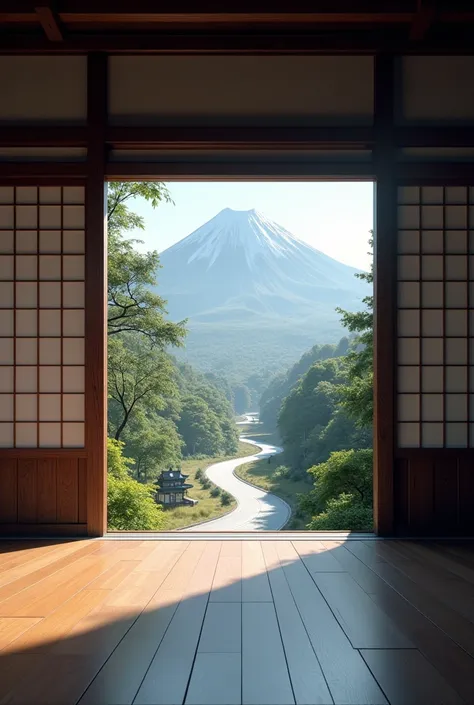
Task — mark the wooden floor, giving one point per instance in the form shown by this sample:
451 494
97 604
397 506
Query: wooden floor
111 622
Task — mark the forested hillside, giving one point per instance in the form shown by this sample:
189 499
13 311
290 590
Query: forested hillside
282 384
322 408
160 409
256 297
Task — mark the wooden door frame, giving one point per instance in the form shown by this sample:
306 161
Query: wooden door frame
383 139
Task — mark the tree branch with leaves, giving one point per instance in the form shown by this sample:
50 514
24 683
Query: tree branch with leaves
132 305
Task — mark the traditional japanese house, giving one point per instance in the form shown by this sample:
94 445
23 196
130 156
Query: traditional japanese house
172 488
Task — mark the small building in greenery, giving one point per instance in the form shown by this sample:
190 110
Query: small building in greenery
172 488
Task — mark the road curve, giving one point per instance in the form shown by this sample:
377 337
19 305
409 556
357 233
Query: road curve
256 509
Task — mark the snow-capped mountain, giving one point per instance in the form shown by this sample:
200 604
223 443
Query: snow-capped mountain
240 266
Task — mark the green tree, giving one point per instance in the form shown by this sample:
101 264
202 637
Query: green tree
346 471
130 504
343 514
154 444
132 306
342 497
307 410
241 399
358 394
199 428
139 376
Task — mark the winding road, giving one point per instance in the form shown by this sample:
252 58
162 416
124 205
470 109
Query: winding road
256 509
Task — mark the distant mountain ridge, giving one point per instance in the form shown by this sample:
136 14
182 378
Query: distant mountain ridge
242 264
256 297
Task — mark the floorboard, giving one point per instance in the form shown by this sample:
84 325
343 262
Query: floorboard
254 622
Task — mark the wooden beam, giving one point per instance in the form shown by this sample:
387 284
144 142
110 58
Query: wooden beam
238 138
96 312
50 23
42 170
422 21
272 43
43 136
237 171
384 295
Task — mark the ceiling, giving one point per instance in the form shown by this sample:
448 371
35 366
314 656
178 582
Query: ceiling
328 26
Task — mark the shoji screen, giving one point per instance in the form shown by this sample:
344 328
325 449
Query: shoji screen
435 301
42 264
42 354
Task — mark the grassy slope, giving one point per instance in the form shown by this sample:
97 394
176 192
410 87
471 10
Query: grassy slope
208 507
260 473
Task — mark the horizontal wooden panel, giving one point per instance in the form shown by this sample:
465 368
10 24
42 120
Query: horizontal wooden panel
434 492
43 530
43 491
43 88
230 90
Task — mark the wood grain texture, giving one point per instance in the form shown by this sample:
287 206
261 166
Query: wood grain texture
385 234
255 585
307 678
108 621
216 679
177 649
365 625
265 676
82 491
27 491
95 297
408 678
347 676
47 496
8 491
67 491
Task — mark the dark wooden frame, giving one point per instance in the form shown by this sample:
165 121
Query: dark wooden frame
383 138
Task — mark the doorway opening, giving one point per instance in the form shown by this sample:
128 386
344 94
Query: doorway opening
240 356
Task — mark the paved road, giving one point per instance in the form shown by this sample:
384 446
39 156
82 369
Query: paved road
256 510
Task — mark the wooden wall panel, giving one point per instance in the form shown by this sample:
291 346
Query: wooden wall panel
434 494
82 491
8 491
446 492
67 491
46 482
466 495
48 492
27 491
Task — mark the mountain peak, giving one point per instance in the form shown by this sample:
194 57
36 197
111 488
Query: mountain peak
246 231
241 260
235 212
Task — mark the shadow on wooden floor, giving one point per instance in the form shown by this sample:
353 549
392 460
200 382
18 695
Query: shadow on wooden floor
257 622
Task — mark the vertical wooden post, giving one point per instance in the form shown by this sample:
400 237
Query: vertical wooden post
96 302
385 267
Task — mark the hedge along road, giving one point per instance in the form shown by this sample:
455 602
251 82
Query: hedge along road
256 509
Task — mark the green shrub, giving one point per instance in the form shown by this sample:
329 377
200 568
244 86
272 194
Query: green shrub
205 484
130 504
342 496
226 498
346 471
198 474
343 513
215 492
282 471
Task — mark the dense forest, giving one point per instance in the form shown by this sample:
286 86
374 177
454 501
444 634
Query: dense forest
160 409
323 408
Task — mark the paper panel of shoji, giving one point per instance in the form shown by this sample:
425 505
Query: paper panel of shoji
435 356
42 263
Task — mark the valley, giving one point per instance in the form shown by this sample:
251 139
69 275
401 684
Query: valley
255 297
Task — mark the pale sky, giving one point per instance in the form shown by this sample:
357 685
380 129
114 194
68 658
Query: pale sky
334 217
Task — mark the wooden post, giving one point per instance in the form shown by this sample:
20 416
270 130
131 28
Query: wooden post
96 302
385 264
